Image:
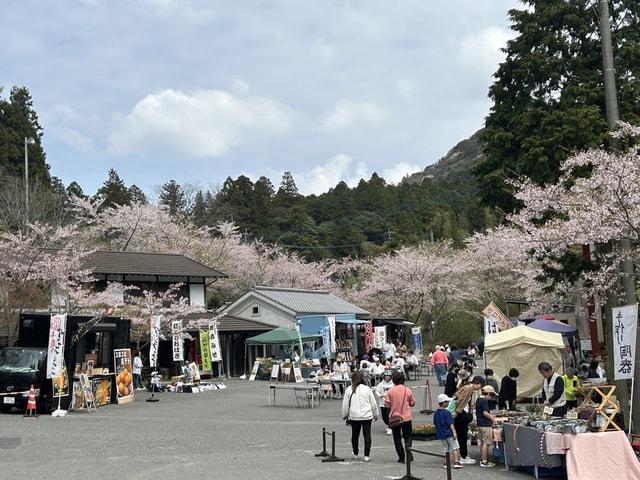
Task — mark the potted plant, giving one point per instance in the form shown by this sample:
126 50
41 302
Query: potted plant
425 431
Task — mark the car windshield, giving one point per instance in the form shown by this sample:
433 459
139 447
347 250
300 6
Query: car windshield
20 360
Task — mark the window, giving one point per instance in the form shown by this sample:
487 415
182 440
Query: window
196 295
255 311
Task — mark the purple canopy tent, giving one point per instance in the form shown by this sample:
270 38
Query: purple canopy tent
554 326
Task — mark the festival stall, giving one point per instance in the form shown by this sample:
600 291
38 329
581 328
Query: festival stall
523 348
280 336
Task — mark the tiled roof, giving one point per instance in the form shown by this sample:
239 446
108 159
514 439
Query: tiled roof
226 323
309 301
136 263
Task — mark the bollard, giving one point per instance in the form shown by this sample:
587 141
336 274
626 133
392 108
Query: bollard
332 457
324 452
447 457
407 461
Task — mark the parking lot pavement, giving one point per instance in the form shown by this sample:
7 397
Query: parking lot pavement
224 434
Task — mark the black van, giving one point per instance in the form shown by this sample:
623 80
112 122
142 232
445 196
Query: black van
21 367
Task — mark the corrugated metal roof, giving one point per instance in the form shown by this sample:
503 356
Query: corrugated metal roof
226 323
137 263
309 301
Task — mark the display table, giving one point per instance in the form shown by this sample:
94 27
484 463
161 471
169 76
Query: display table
526 447
310 392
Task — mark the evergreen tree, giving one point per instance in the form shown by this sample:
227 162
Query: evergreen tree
173 197
136 194
199 210
288 188
548 97
209 202
75 190
113 191
19 120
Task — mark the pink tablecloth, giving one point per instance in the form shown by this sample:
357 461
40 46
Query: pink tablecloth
600 456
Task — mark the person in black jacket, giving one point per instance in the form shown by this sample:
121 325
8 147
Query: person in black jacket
509 390
451 383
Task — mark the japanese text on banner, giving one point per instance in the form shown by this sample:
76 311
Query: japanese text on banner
176 340
205 351
214 342
332 331
625 324
154 340
55 353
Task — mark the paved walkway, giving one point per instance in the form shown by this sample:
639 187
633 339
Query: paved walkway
226 434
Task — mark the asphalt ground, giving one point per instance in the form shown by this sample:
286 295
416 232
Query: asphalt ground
224 434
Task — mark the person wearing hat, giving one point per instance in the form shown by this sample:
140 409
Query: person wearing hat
381 391
463 415
445 431
463 377
485 422
571 383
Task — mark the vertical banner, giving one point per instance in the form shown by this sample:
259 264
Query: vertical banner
332 332
326 341
368 336
625 326
154 340
379 337
205 351
124 379
417 338
176 341
55 353
490 325
214 342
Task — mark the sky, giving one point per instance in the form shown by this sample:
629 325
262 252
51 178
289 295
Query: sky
197 91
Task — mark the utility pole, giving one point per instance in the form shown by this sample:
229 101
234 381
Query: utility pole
613 115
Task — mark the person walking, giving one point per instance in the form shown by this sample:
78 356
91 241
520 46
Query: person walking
137 372
399 401
552 390
463 415
359 408
445 431
440 362
381 391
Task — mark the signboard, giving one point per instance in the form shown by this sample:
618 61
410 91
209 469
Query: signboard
332 332
60 386
417 338
176 341
585 344
124 379
379 337
214 342
195 373
326 341
492 310
297 373
205 351
625 327
254 371
102 391
275 370
490 325
55 350
154 340
86 387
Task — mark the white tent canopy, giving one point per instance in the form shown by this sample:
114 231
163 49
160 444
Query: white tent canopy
523 348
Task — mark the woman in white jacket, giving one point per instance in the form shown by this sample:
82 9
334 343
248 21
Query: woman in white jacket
359 408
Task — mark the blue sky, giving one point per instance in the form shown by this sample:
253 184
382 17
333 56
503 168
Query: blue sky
200 90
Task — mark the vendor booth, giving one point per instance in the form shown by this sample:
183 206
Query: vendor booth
523 348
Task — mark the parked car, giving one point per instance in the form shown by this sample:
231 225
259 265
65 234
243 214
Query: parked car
21 367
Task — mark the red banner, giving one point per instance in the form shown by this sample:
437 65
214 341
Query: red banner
368 335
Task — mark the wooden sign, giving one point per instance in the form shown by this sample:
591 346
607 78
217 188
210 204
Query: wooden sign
254 371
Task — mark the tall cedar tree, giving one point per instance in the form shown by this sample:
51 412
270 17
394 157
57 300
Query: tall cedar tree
199 210
173 197
113 191
18 119
137 195
548 97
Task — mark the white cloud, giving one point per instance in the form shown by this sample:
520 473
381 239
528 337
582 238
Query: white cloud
396 173
481 50
405 88
74 139
240 86
206 123
349 114
344 168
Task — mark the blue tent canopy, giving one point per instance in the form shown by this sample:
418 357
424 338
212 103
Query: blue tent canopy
554 326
